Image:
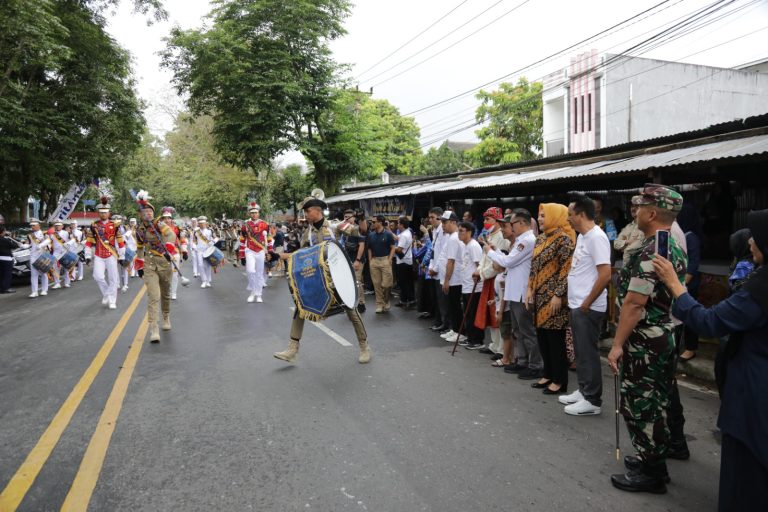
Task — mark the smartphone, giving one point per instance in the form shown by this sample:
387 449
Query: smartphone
662 243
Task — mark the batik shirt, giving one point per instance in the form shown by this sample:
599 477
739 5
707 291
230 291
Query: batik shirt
639 276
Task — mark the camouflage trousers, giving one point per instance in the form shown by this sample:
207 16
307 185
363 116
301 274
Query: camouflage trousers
646 384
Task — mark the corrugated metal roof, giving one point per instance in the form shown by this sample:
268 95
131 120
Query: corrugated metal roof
713 151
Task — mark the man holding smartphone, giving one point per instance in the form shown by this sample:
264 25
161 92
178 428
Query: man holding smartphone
644 344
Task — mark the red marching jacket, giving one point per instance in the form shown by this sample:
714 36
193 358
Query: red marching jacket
255 236
106 239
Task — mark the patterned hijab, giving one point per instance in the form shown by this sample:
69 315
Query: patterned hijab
556 216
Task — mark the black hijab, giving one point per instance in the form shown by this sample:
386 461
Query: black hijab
757 284
740 244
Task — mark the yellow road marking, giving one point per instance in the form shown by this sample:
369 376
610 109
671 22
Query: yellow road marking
80 493
25 476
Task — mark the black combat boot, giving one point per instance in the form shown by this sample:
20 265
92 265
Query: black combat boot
645 479
633 463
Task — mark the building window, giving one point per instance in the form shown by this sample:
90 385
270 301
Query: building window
575 115
582 113
589 112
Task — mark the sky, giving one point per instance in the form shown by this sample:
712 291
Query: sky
467 43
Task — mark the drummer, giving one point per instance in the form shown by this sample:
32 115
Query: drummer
61 245
203 239
129 237
319 230
77 237
40 244
181 247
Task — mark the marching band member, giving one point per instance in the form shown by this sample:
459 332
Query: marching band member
132 225
254 245
203 239
193 246
60 240
318 230
129 236
181 247
39 242
77 238
106 247
156 243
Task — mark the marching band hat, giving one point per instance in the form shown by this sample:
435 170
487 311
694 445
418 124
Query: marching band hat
253 207
142 198
168 211
58 222
33 221
202 218
104 205
132 221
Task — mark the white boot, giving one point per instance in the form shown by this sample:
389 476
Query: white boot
251 297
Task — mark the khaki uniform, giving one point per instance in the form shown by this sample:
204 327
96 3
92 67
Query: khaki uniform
313 236
157 270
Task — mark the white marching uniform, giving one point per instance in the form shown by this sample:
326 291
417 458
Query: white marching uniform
203 239
193 251
61 244
39 243
77 239
129 237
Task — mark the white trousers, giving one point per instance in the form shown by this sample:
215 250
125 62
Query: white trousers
175 276
80 269
204 268
254 268
106 275
126 274
36 276
195 269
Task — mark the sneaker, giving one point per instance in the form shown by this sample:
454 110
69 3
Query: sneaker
112 305
474 346
447 334
452 339
581 408
486 350
379 310
437 328
43 294
574 397
173 296
204 285
251 298
33 295
67 286
56 286
81 278
259 299
104 301
124 289
270 274
462 343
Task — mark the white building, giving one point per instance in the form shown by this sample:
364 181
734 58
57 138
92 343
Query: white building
603 100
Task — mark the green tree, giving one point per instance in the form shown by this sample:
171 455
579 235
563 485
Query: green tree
68 110
291 188
443 160
514 129
264 72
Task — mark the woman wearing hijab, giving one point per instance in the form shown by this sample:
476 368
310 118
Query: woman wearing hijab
744 408
742 265
547 294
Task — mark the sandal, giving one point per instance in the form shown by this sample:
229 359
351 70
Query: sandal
498 364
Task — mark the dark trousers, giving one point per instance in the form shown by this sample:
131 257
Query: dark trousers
473 334
743 479
552 347
443 306
426 296
675 416
6 272
586 331
454 307
405 278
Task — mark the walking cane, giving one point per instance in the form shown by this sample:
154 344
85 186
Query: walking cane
463 320
184 280
616 402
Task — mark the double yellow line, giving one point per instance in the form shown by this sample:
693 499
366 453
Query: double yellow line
87 475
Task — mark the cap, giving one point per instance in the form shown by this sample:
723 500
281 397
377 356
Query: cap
507 219
493 212
660 196
449 215
313 201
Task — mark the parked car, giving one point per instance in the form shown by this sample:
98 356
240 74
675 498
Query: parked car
21 263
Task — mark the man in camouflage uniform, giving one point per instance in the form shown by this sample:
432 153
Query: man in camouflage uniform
645 345
156 243
317 231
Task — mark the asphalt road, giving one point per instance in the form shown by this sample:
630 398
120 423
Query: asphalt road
209 420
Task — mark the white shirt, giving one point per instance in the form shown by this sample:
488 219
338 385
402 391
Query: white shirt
201 246
405 240
438 243
130 239
454 250
59 249
469 262
592 249
518 265
36 249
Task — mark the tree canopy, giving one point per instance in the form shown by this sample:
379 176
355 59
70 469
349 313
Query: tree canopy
68 110
514 131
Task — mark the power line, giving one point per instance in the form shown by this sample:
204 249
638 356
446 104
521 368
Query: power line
452 45
435 42
564 50
413 38
666 31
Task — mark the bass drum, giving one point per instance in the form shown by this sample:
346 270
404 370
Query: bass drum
315 296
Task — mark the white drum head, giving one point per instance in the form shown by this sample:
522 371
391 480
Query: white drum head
208 251
342 275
